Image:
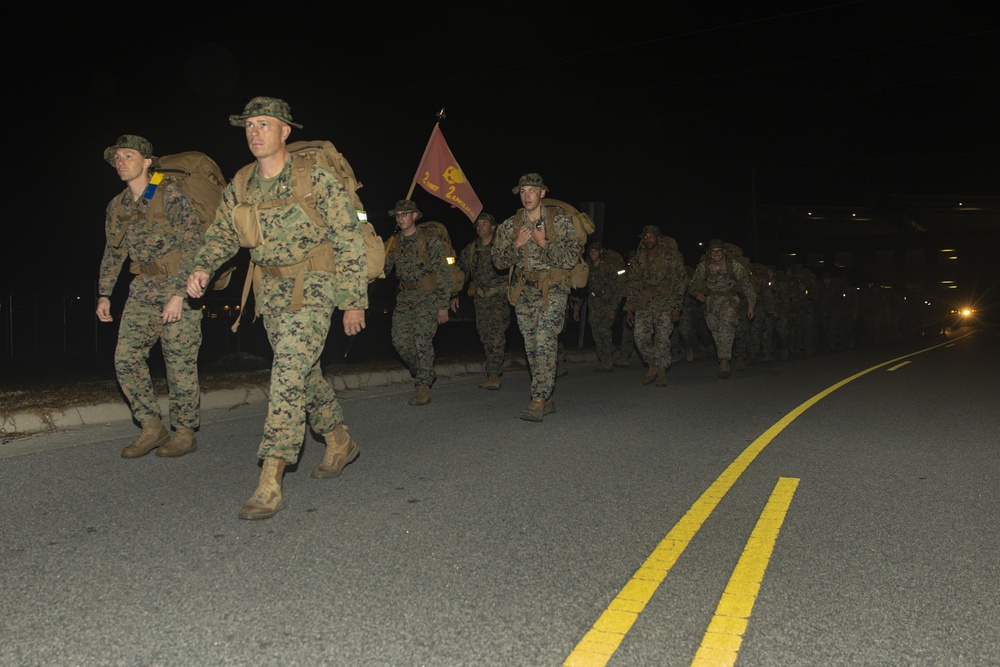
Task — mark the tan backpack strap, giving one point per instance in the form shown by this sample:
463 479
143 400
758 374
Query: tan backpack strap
253 278
302 186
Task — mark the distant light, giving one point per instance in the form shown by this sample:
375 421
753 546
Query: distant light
947 250
947 282
953 258
952 286
854 215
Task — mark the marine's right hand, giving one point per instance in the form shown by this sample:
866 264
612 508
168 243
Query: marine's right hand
104 309
196 284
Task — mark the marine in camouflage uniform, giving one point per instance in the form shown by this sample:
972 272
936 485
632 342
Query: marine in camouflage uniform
655 292
762 326
303 271
160 234
717 282
425 284
626 347
802 319
540 243
488 287
604 296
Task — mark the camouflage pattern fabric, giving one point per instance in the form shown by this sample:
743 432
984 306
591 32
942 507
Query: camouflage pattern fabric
539 326
142 324
414 318
656 283
626 347
604 295
722 306
490 301
761 335
801 312
298 387
297 384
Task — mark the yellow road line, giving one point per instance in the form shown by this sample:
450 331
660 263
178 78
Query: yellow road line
722 641
602 640
897 366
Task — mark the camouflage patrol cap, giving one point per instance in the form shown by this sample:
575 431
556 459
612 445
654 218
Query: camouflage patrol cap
530 180
405 206
265 106
595 245
650 229
488 218
133 141
716 243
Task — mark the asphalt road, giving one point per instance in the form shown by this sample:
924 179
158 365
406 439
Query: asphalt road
838 510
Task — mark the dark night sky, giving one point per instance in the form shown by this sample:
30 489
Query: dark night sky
659 111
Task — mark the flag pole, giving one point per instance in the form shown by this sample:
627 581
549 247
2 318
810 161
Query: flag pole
440 115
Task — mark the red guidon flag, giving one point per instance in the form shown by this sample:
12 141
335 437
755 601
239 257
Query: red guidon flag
440 175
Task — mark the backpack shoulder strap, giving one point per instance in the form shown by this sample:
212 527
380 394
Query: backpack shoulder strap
240 181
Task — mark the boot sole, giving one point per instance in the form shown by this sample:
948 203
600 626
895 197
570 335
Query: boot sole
174 455
148 450
260 517
317 473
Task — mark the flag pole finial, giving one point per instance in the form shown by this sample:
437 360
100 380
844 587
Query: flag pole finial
440 115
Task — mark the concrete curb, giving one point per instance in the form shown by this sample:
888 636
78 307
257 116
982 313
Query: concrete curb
29 422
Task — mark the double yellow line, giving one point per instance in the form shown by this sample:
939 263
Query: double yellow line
608 632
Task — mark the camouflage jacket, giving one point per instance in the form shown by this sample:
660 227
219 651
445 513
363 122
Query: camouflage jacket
604 282
411 265
145 243
476 260
726 280
561 251
289 235
656 280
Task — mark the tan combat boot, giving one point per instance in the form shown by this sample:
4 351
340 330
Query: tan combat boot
266 501
421 395
651 374
549 407
340 450
661 377
182 443
154 434
492 382
604 367
724 369
535 410
740 365
561 369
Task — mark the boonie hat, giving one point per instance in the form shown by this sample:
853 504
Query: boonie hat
405 206
595 245
133 141
265 106
530 179
716 243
